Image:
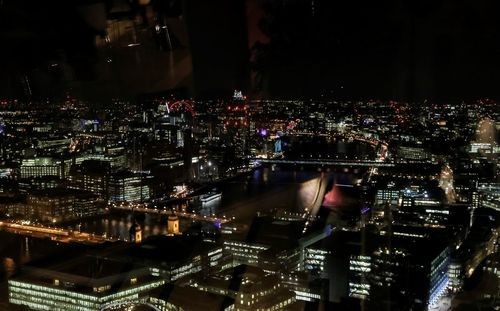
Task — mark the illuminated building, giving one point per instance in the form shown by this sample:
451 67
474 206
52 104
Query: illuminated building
488 196
359 269
117 159
58 204
475 199
92 176
126 186
39 183
393 269
177 256
425 207
15 206
486 148
178 298
414 154
250 287
243 252
390 196
438 275
315 260
271 244
456 276
491 276
84 204
80 284
305 288
43 166
411 171
53 144
387 196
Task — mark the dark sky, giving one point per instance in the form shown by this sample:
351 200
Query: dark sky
438 49
388 49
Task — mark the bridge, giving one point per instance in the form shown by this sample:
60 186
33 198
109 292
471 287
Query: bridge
142 208
350 135
321 162
56 234
381 147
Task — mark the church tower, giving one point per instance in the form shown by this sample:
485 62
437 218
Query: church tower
136 233
173 225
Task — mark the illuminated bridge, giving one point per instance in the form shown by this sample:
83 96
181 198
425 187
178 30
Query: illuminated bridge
56 234
351 135
380 146
142 208
320 162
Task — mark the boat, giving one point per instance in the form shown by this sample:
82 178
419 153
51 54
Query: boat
210 196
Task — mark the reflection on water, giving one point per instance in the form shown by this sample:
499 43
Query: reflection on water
9 266
16 250
274 188
118 225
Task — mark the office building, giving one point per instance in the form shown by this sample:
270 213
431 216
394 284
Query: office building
126 186
91 175
85 283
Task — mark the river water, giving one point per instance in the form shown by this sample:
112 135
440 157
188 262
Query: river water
242 198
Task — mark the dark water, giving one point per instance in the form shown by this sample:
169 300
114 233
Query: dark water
16 250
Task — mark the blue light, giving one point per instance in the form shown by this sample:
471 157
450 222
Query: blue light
277 146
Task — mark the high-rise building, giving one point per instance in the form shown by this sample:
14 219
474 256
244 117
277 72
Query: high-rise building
394 270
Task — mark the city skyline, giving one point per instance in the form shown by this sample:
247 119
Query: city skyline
249 155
